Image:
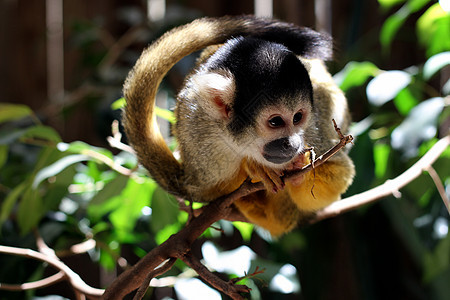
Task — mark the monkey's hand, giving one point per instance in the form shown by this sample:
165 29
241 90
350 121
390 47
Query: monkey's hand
298 163
271 178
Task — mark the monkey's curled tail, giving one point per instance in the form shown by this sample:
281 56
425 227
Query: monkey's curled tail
144 79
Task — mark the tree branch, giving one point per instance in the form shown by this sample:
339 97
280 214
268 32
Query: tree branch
391 186
74 279
166 266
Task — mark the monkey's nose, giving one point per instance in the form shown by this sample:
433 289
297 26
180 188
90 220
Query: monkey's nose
279 151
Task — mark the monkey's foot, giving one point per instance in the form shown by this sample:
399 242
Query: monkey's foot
269 177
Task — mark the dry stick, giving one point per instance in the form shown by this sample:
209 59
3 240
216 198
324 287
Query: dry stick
179 244
74 278
389 187
42 283
440 187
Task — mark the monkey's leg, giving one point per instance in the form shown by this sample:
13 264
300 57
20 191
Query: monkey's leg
273 212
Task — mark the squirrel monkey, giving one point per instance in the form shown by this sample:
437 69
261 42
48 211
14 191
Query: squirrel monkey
259 97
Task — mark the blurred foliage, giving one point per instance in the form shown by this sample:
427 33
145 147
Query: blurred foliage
73 192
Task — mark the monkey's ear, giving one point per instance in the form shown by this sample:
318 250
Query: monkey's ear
215 93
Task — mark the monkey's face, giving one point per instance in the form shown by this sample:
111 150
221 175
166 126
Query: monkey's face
278 134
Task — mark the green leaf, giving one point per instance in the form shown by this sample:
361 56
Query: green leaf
41 132
381 157
58 188
57 167
164 210
3 154
83 148
433 29
12 112
435 63
392 25
160 112
246 230
118 104
163 234
355 74
405 101
135 196
111 189
30 210
165 114
10 200
388 4
416 5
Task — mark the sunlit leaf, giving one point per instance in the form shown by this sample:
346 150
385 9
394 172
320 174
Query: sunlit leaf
163 234
385 86
381 157
392 25
57 167
419 125
245 229
83 148
433 29
12 112
355 74
435 63
405 101
107 260
111 189
387 4
165 114
134 197
160 112
416 5
119 103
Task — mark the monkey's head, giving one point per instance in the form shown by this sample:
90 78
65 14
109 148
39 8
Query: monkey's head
262 95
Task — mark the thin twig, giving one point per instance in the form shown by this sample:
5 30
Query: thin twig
439 186
38 284
73 278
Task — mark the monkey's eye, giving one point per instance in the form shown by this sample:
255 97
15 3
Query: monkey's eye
276 122
297 118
